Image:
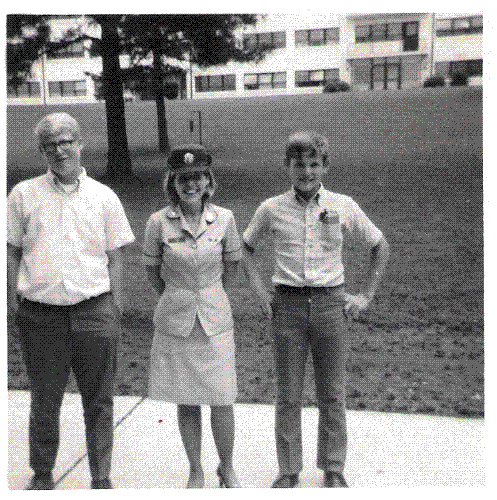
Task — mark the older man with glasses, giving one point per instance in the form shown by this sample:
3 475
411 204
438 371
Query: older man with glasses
65 239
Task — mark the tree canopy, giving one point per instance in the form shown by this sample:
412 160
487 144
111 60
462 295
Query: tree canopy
27 35
155 43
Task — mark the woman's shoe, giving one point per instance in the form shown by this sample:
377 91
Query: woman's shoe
223 482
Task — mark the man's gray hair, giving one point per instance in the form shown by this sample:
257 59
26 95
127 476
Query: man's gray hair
54 123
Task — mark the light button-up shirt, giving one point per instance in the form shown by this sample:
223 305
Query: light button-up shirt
64 233
308 236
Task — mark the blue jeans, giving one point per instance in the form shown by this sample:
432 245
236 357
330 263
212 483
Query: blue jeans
312 319
55 339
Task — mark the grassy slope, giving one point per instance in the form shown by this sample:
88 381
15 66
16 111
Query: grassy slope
413 161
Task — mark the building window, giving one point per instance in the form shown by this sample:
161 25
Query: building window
460 26
74 50
385 32
326 36
362 33
215 83
275 40
385 72
315 77
394 31
470 67
26 89
254 81
67 88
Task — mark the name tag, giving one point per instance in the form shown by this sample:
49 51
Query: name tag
329 217
179 239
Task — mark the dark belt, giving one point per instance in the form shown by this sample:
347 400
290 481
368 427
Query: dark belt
35 302
307 290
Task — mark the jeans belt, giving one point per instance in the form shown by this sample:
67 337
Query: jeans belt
307 290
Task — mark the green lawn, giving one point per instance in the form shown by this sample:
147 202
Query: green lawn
412 160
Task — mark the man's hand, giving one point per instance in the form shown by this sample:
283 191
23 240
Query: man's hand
355 304
13 304
119 304
116 271
265 299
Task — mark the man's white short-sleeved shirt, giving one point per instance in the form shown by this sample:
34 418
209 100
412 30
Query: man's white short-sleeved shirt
64 235
308 237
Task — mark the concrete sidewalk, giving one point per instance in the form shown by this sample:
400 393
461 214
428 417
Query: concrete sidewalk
385 449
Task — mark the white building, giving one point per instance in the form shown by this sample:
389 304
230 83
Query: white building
369 51
61 79
459 45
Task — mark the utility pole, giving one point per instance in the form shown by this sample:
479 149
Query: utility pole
433 32
191 74
43 92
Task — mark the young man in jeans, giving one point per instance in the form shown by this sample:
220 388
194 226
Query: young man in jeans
65 241
310 304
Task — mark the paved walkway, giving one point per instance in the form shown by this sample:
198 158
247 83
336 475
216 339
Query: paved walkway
385 449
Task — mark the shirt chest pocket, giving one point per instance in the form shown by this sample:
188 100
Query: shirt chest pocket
331 233
210 247
176 248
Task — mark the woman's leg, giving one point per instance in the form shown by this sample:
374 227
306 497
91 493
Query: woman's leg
223 430
190 428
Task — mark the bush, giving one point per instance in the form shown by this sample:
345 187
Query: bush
459 79
336 85
171 90
434 81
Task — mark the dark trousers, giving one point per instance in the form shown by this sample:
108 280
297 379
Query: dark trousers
303 320
55 339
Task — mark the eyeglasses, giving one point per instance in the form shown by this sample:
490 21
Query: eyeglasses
192 176
51 147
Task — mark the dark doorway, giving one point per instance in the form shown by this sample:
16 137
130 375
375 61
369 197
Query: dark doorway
410 35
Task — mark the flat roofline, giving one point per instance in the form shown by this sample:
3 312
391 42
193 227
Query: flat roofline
374 16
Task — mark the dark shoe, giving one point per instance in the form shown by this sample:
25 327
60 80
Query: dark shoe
101 484
286 481
41 482
334 480
227 484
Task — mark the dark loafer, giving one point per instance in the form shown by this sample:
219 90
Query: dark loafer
334 480
41 482
286 481
101 484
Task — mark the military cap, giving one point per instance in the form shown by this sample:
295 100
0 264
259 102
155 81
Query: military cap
189 157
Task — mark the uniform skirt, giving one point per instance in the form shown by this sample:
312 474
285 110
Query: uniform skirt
194 370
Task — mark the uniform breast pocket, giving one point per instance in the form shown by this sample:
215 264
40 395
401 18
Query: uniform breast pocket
210 247
331 232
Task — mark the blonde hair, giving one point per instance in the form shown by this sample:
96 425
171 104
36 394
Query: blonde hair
170 189
56 122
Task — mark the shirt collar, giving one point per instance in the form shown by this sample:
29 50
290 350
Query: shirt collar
209 214
315 198
54 180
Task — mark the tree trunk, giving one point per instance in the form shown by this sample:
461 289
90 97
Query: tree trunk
160 105
118 160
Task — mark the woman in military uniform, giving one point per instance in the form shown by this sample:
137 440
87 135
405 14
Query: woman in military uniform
191 252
